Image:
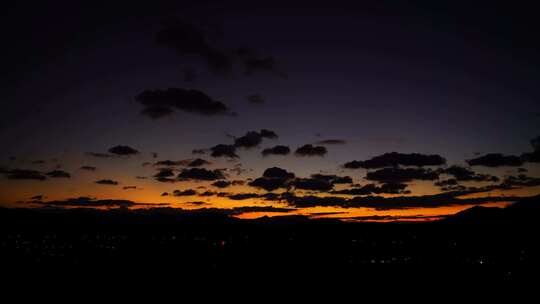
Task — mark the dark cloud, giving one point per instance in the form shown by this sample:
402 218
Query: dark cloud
532 157
254 138
465 174
92 203
166 180
312 184
169 163
256 99
192 101
58 174
401 175
100 155
395 159
198 151
165 172
276 150
23 174
88 168
156 112
425 201
273 178
207 193
370 189
188 192
239 170
521 181
268 184
496 160
107 182
331 142
310 150
249 209
535 143
238 182
185 162
38 197
250 140
223 150
165 194
314 201
242 196
333 179
268 134
198 162
129 187
276 172
197 203
221 184
38 162
188 39
392 203
448 184
201 174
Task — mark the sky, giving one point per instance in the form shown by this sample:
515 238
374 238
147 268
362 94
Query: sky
413 110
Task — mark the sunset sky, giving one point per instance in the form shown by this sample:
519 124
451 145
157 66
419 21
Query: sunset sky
109 105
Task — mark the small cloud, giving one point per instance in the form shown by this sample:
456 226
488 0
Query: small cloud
100 155
159 103
58 174
333 179
23 174
310 150
165 172
88 168
395 159
273 178
276 150
254 138
496 160
224 150
201 174
198 162
188 192
400 175
123 150
221 184
312 184
107 182
196 203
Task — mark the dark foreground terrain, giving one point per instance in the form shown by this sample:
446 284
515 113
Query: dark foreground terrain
485 242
